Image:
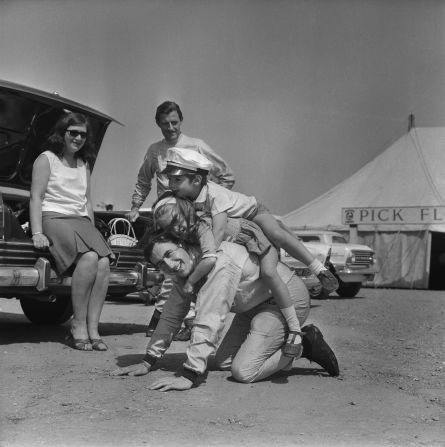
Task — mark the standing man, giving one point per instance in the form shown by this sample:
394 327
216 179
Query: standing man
169 119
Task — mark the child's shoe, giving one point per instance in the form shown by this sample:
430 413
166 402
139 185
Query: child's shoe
328 281
292 348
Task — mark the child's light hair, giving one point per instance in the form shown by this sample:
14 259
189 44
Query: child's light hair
175 215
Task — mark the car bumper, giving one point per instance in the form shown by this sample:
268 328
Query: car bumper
41 277
349 275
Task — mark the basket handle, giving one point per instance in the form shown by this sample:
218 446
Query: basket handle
128 229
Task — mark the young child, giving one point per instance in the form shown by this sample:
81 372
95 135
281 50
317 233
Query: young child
178 216
187 172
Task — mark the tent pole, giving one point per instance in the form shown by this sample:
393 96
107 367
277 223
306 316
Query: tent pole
353 234
428 258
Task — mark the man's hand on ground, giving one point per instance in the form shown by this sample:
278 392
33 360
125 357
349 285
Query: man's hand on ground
171 383
139 369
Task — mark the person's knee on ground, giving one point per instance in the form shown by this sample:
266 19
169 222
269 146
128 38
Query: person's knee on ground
241 374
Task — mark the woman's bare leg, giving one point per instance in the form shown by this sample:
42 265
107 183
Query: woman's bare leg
97 297
82 282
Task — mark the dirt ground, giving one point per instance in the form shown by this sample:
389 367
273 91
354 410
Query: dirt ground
391 391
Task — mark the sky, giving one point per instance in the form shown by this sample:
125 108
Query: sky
296 95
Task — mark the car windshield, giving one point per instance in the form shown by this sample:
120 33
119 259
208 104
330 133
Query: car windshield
309 238
339 240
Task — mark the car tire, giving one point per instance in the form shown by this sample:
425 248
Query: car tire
57 311
349 290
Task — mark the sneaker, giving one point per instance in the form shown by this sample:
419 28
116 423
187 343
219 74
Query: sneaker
328 281
317 350
184 334
153 323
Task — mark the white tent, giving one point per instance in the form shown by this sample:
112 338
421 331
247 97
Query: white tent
410 173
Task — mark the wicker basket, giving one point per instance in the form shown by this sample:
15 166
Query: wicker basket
122 233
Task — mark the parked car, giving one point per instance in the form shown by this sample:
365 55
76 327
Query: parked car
353 264
27 116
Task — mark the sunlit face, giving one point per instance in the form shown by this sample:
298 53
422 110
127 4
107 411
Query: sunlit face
170 125
75 137
183 186
172 259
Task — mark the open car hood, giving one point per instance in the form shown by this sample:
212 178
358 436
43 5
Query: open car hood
27 117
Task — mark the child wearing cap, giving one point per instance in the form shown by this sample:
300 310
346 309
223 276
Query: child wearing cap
187 173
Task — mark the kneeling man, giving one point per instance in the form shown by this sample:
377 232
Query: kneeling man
252 345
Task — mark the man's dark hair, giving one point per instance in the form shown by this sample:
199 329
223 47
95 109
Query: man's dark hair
159 237
165 108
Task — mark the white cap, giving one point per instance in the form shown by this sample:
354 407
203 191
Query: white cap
183 161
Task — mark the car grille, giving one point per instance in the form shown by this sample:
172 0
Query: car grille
361 258
18 253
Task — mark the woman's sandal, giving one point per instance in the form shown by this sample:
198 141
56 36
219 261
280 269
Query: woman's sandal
98 344
290 348
81 344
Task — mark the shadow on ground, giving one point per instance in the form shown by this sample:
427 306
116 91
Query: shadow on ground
170 362
15 328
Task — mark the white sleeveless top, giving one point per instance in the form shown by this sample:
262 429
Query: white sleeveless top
67 187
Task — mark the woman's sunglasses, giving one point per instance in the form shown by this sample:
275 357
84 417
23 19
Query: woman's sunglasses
76 133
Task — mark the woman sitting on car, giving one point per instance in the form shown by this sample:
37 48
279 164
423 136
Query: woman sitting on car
62 220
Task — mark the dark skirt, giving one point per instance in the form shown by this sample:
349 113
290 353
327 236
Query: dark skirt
71 236
247 233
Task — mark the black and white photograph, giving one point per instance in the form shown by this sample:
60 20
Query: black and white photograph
222 223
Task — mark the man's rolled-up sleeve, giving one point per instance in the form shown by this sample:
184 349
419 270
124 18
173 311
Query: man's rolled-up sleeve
212 306
175 310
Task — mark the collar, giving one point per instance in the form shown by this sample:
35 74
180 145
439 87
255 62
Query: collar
177 144
202 196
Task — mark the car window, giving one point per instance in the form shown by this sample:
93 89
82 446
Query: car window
309 238
339 240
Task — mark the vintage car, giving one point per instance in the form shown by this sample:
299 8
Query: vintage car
353 264
27 116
